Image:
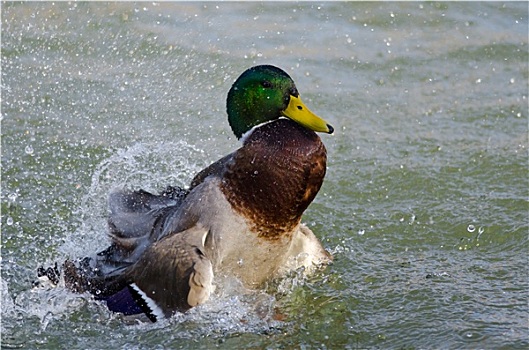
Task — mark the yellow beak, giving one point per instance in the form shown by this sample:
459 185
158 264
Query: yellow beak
298 112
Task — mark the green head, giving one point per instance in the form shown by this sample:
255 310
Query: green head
264 93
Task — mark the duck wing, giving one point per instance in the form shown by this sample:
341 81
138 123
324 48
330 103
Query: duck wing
173 274
136 220
156 248
134 214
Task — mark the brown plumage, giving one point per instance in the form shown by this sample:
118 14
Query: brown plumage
273 178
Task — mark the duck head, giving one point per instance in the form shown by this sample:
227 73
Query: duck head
265 93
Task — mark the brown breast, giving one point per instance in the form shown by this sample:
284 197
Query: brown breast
275 176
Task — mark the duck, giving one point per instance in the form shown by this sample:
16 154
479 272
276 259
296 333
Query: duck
239 217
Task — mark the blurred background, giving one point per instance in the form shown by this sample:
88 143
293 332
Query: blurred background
425 203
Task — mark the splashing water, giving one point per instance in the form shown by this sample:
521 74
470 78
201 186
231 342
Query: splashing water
151 167
232 309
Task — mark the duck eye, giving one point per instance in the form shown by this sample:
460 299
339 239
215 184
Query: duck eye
266 84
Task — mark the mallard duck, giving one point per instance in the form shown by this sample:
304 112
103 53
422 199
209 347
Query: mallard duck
241 216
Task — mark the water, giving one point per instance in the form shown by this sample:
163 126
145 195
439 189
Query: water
425 205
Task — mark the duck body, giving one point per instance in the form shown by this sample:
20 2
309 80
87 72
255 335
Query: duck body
240 217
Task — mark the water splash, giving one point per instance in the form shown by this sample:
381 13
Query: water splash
231 310
7 301
151 167
481 229
470 242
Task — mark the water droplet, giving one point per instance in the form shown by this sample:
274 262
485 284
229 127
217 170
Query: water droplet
12 197
29 150
9 221
480 231
471 228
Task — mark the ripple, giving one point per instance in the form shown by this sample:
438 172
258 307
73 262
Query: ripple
471 335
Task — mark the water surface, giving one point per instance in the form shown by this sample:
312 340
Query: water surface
425 205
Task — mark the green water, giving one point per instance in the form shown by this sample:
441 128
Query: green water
425 204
